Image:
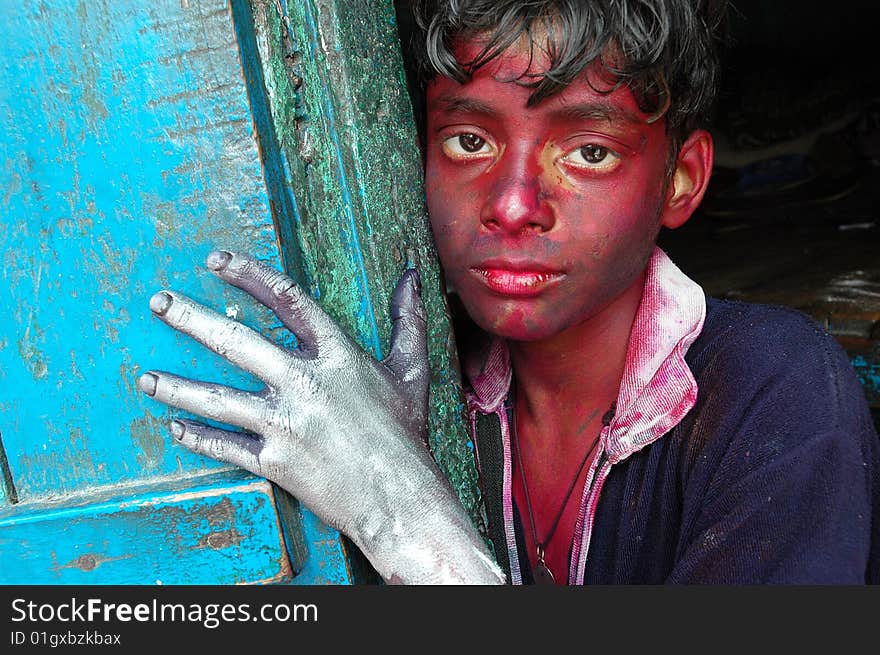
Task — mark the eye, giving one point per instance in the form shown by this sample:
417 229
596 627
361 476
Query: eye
593 157
466 144
471 142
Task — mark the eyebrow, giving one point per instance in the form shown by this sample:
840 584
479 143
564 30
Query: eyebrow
590 111
596 112
452 104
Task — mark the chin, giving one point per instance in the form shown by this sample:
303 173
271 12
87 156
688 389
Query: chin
518 328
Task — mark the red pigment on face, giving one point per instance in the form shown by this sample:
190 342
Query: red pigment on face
542 215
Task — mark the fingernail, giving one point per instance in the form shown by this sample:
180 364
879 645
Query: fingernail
147 383
160 303
177 429
218 260
416 280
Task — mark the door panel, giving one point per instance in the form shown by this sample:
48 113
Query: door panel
202 534
129 152
128 163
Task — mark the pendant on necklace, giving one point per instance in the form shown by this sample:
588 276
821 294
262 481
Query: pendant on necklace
542 573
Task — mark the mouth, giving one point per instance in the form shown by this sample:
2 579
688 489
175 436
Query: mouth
520 280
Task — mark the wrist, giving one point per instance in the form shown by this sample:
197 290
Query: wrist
427 537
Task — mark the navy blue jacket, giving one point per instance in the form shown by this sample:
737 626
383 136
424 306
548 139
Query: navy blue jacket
772 477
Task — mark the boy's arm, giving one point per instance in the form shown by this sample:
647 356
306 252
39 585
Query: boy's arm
802 519
785 491
344 433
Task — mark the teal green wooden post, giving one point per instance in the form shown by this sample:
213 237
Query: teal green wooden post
332 83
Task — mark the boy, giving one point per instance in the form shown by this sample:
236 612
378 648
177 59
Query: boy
628 429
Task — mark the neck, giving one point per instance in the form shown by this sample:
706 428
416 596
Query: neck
577 370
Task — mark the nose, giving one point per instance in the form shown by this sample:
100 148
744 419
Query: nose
517 202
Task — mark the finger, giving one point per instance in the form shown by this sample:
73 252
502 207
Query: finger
223 445
293 306
408 357
213 401
235 341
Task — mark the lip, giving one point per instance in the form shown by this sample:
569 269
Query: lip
519 279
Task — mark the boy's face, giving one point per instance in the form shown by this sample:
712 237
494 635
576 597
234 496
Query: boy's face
542 215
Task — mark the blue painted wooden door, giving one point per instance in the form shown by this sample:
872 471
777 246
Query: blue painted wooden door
134 138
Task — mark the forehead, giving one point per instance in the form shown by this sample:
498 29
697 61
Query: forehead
525 58
501 86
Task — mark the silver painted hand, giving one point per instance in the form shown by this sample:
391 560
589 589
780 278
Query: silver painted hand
341 431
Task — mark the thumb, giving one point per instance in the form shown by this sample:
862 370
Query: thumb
408 358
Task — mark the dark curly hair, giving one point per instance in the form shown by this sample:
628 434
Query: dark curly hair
665 51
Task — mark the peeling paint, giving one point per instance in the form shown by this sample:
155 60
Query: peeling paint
148 436
221 540
74 369
89 562
33 358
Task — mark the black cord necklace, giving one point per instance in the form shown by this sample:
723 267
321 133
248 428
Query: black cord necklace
543 574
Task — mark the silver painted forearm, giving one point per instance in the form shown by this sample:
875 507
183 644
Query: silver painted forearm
341 431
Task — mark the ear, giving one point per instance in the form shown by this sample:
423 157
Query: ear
693 167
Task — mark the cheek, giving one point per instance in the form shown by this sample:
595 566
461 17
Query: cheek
612 233
445 224
453 207
614 209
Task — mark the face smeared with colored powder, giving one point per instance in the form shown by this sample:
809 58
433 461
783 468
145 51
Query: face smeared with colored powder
542 215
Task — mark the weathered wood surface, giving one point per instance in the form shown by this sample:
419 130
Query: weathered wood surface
128 153
136 137
208 537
